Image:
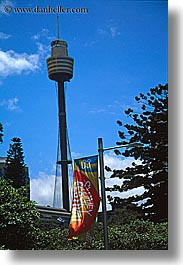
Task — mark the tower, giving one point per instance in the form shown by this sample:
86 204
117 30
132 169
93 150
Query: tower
60 69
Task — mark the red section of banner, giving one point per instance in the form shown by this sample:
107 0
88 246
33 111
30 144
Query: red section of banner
85 205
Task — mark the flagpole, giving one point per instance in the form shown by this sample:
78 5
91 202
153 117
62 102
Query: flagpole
102 179
101 151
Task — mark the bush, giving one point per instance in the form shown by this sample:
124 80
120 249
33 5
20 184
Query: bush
18 217
139 235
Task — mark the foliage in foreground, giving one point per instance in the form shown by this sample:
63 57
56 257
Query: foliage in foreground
137 235
18 217
20 229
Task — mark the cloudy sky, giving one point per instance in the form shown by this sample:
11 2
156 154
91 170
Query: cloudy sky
119 50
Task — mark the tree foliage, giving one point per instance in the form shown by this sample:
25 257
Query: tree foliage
15 165
18 218
148 127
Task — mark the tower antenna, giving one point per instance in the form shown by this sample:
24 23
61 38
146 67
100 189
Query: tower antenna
58 28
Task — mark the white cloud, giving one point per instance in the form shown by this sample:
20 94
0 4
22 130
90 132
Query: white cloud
4 36
11 104
113 108
89 44
13 63
17 63
97 110
44 33
114 31
103 32
117 162
40 38
111 30
75 155
42 188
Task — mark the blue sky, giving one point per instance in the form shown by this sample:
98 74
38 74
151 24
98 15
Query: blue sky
119 50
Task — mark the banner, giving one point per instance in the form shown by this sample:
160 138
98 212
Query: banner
86 199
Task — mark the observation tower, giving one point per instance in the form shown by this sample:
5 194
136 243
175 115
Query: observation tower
60 70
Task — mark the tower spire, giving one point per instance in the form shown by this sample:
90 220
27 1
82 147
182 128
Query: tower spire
58 28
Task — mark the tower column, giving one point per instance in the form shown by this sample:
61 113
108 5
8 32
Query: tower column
63 144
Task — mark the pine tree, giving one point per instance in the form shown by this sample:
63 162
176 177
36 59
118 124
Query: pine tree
150 128
15 165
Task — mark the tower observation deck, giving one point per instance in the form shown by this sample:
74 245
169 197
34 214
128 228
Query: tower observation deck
60 65
60 69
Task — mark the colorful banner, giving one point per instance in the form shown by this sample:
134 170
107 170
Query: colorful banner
86 199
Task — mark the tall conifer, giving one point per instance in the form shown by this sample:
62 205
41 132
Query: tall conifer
149 126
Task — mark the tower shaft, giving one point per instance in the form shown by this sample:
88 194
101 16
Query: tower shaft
63 144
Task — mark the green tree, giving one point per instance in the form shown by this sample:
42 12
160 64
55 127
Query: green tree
1 133
18 218
15 165
150 128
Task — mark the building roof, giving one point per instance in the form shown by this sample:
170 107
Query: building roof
2 159
53 211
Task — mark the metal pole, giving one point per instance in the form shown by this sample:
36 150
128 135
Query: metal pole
123 145
102 179
63 144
